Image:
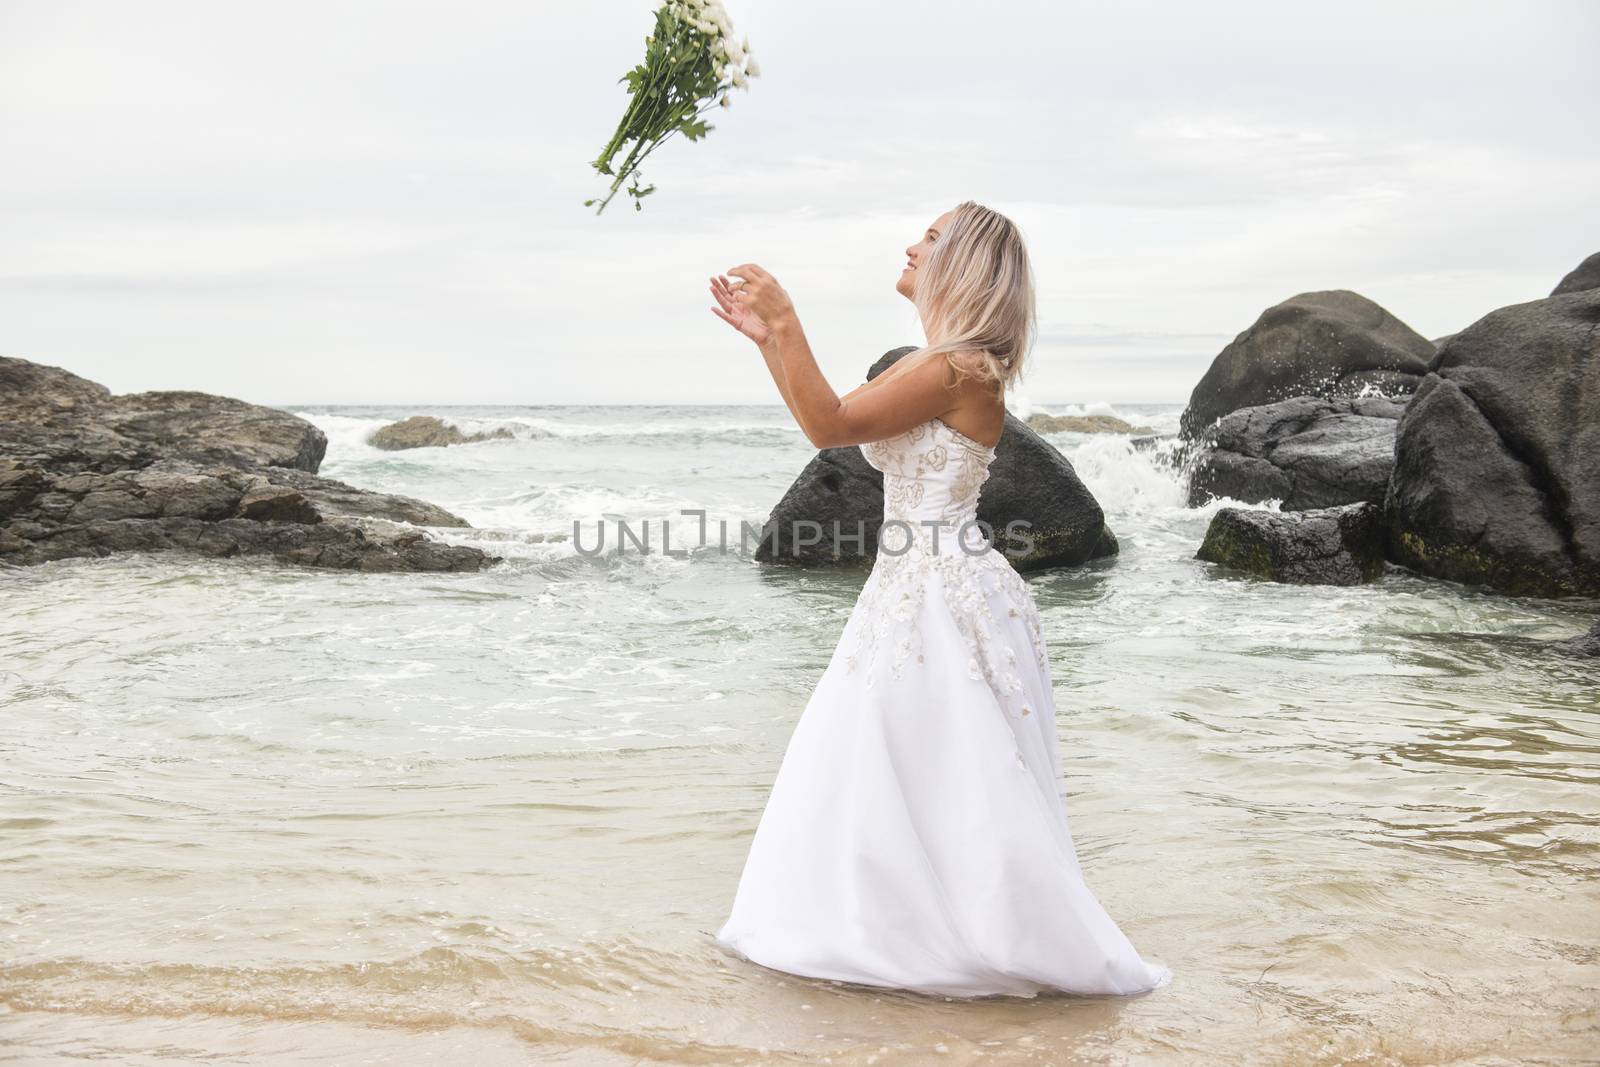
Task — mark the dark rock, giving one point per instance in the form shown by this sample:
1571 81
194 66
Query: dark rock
887 360
86 473
216 430
1105 545
1325 546
19 487
221 511
332 497
1584 644
426 431
836 498
1307 452
276 503
34 390
1327 344
1585 275
1040 422
62 422
1497 459
1029 481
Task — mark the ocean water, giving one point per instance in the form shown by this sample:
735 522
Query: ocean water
254 814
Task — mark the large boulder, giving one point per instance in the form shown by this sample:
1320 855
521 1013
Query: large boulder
86 473
1306 452
65 423
1029 480
428 431
1324 546
1327 344
1585 275
1497 459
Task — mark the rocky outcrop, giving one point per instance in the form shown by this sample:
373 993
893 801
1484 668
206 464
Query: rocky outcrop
1497 459
1307 452
1585 275
1323 546
1326 344
86 473
426 431
1040 422
1029 480
59 421
175 505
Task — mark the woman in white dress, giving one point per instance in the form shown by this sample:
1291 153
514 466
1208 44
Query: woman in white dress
915 836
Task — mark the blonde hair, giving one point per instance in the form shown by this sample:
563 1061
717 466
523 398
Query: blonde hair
974 293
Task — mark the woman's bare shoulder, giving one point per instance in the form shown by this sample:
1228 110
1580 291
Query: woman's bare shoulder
979 408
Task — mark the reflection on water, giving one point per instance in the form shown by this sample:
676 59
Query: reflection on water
255 814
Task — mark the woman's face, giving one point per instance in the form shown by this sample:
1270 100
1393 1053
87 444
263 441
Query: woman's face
907 284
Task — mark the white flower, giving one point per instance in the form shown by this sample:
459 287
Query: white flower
753 68
731 47
707 28
739 80
725 102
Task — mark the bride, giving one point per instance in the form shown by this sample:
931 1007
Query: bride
915 836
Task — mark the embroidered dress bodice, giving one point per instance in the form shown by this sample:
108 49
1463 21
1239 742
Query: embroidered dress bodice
932 473
932 477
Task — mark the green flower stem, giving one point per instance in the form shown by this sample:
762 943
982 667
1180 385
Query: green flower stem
633 164
666 92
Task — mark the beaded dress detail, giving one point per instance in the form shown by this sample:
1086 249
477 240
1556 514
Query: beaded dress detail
915 836
932 476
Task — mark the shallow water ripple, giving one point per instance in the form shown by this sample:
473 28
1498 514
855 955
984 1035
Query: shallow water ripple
259 814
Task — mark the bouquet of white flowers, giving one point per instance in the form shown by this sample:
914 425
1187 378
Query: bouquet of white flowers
691 63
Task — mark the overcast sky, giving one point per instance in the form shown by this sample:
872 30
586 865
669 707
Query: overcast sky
345 202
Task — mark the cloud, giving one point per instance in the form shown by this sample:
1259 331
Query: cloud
375 202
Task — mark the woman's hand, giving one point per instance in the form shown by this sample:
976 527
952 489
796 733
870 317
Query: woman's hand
736 314
761 294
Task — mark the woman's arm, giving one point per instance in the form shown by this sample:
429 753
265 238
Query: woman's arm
747 322
915 395
775 365
769 352
883 377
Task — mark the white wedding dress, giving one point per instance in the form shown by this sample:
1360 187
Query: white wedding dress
915 836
